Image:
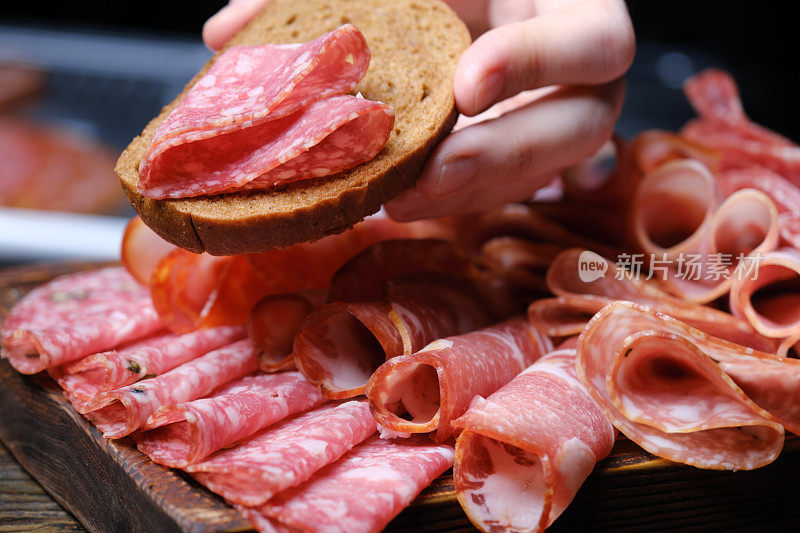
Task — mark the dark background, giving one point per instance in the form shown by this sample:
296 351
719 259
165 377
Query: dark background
756 41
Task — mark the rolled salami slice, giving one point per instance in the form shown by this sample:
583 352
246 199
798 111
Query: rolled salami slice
525 450
769 296
273 323
359 493
684 395
87 378
342 344
578 300
745 224
223 290
120 412
74 316
269 114
523 222
142 249
364 277
425 391
183 434
285 454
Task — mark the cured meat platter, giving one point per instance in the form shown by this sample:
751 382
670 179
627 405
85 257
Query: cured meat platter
109 485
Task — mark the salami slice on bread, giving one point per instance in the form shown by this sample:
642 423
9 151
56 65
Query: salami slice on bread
414 47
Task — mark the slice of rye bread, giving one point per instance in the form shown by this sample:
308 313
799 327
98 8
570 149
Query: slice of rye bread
415 45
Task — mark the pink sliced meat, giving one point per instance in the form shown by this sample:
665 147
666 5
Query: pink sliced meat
74 316
85 379
715 97
684 395
341 344
525 450
579 300
425 391
273 323
359 493
769 297
365 276
122 411
677 222
724 127
285 454
269 114
518 263
183 434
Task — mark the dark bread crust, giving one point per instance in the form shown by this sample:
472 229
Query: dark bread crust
415 45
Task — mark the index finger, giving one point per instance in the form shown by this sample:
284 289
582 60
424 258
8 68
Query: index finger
588 42
227 21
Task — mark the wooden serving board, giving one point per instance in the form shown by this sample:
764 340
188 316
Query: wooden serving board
110 486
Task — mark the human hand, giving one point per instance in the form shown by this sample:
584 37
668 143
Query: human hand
573 52
582 46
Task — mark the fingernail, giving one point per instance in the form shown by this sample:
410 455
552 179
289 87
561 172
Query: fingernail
456 174
488 90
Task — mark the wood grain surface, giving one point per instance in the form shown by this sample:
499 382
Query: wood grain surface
110 486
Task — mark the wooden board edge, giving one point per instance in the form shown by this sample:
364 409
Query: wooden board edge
120 488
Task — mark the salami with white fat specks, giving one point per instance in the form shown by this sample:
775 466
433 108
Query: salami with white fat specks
120 412
85 379
425 391
77 315
285 454
684 395
266 115
359 493
183 434
342 343
526 449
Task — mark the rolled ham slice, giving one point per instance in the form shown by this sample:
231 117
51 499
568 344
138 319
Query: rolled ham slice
579 300
684 395
359 493
342 344
74 316
676 221
425 391
525 450
672 210
266 115
120 412
86 379
285 454
769 296
183 434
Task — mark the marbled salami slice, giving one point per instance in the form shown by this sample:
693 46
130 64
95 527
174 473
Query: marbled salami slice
120 412
269 114
425 391
579 300
183 434
525 450
85 379
684 395
74 316
341 344
359 493
285 454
